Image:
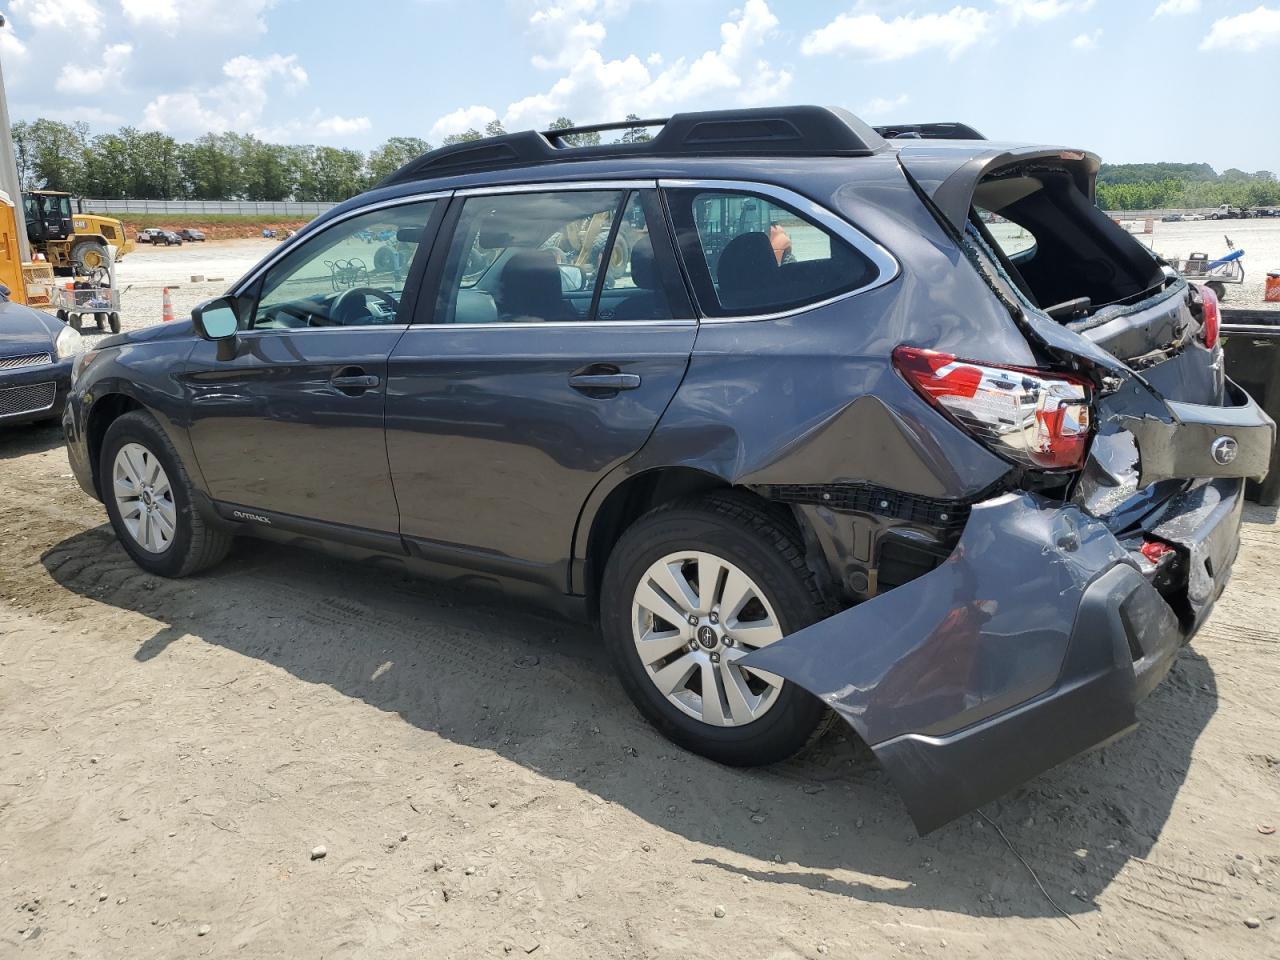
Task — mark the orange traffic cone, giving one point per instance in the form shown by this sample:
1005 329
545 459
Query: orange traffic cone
167 315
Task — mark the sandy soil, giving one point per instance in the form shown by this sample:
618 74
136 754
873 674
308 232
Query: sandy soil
174 750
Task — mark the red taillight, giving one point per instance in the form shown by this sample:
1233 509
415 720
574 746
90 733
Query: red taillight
1034 418
1155 550
1211 316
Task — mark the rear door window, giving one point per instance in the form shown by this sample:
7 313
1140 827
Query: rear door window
748 254
561 256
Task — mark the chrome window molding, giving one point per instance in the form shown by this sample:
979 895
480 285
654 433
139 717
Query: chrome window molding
303 235
886 263
544 324
556 186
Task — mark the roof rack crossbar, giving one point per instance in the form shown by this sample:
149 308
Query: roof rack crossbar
759 131
563 132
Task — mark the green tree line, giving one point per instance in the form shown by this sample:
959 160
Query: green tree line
1154 186
136 164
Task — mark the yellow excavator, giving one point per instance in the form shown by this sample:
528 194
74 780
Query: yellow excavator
75 244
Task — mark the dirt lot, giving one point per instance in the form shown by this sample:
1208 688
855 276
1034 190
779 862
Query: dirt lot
174 750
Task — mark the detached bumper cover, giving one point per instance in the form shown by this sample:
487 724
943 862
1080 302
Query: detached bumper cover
1033 642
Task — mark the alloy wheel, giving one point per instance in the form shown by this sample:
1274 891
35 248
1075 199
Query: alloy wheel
144 498
694 616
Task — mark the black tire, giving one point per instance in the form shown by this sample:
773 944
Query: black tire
76 320
61 315
196 544
1218 289
739 529
101 320
88 256
114 320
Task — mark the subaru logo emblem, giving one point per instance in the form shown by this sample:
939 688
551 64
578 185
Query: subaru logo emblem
1224 450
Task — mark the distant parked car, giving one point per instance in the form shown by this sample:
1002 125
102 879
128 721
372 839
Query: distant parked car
195 236
149 235
166 237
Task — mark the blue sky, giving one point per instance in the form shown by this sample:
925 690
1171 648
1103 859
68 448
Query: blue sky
1136 80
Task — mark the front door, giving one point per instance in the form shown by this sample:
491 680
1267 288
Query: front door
559 333
291 427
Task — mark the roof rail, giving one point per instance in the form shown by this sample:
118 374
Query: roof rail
765 131
929 131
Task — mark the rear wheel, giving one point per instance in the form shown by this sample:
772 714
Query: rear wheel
1219 290
114 320
688 592
76 320
149 499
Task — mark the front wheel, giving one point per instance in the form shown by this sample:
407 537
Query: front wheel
149 499
688 592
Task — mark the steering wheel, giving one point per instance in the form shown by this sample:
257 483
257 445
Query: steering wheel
343 313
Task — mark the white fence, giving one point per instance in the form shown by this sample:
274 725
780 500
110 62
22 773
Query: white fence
269 208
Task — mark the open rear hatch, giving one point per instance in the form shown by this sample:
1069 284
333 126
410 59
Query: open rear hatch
1065 598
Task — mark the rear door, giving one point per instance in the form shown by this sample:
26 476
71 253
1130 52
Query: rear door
290 427
558 334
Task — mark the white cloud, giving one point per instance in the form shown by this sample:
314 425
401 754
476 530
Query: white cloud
94 116
162 13
11 45
460 121
197 17
871 37
82 17
593 88
1245 31
103 77
237 103
337 126
1087 41
880 106
1042 10
1177 8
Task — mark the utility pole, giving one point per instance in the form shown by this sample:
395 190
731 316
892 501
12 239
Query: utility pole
9 169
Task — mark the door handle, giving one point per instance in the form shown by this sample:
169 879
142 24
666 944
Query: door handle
605 381
353 381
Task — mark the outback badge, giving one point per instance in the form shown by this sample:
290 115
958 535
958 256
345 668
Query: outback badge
1224 450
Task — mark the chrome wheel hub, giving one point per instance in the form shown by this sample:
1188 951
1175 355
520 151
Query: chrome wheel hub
694 616
144 498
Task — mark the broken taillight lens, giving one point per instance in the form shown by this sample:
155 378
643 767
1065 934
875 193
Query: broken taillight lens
1210 317
1031 417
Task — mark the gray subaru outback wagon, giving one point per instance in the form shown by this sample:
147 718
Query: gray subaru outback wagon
817 420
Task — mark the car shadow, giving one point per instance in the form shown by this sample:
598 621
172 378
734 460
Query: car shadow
22 439
540 692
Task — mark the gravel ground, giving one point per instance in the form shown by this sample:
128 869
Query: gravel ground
296 756
175 753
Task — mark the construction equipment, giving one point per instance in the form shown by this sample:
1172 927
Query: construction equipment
74 243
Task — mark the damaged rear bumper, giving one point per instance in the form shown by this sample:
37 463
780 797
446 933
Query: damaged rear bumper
1033 642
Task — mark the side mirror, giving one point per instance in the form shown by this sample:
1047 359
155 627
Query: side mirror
572 278
216 319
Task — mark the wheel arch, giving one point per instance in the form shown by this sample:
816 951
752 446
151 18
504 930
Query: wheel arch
105 411
599 528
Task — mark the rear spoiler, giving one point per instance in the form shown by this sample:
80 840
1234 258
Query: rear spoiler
929 131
